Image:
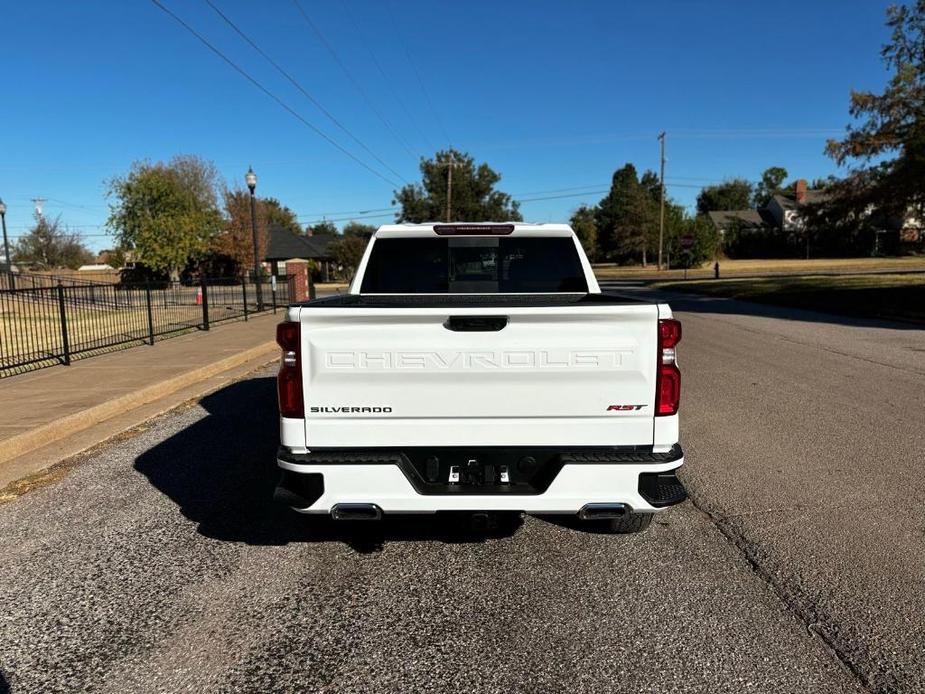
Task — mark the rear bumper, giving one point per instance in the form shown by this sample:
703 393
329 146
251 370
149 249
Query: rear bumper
319 481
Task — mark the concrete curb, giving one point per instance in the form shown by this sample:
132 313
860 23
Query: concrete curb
26 442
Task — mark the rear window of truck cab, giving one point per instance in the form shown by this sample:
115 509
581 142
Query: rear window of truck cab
474 265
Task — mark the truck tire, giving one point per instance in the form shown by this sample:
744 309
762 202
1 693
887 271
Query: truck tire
630 523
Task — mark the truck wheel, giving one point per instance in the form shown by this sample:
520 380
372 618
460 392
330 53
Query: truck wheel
630 523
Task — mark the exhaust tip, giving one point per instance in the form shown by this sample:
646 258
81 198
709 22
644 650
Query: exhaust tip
603 511
369 512
299 490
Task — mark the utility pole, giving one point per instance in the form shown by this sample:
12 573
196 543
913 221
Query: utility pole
38 202
661 210
449 189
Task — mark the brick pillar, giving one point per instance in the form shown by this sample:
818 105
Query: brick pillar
298 268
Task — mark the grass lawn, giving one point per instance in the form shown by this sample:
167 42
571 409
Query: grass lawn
893 296
795 266
31 331
326 288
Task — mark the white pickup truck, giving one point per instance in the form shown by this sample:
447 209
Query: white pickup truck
478 367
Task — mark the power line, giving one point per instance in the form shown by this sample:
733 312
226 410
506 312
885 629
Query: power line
348 219
65 203
380 212
315 215
273 96
755 132
769 134
557 190
690 185
569 195
364 214
353 81
554 194
62 203
414 69
69 228
718 134
298 86
372 55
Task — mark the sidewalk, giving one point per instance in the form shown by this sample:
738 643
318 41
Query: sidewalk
45 406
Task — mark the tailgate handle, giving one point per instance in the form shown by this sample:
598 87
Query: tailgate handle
482 324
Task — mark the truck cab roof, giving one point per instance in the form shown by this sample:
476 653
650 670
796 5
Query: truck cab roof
429 229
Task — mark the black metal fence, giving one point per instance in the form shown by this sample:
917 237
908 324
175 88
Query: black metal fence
44 324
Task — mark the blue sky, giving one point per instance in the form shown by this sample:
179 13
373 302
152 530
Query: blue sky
553 95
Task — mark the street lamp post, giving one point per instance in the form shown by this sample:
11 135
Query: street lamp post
6 242
251 179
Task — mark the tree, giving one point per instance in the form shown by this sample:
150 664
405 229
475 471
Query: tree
324 228
347 252
735 194
363 231
115 258
705 236
887 147
823 183
652 185
627 217
611 209
474 198
166 213
348 248
280 215
638 225
236 238
585 228
770 185
48 245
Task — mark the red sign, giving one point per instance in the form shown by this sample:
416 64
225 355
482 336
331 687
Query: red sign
687 241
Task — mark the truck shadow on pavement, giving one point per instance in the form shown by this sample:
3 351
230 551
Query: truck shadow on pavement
221 472
696 303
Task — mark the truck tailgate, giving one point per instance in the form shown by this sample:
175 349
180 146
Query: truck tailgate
552 375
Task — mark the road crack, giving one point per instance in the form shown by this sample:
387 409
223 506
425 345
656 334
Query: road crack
798 604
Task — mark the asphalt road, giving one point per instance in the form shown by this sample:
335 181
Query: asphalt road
157 564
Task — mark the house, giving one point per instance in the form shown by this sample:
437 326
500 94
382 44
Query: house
783 214
785 209
283 245
744 220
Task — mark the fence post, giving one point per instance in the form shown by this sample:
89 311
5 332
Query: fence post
273 291
62 311
244 294
150 316
205 302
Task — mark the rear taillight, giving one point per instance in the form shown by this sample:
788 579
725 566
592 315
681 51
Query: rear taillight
289 378
668 378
